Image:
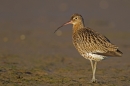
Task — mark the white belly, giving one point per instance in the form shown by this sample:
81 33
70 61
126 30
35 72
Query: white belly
94 57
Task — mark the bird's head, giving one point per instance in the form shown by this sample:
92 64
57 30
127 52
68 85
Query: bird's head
75 19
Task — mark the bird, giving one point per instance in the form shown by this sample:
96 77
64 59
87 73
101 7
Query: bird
91 44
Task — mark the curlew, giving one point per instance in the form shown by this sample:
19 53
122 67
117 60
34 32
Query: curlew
90 44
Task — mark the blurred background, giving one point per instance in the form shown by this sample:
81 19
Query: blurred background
29 46
27 26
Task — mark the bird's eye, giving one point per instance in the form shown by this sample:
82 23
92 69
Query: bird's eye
76 18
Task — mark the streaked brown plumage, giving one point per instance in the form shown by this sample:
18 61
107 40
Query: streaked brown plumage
90 44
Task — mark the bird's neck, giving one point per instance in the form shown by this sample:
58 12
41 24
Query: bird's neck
78 26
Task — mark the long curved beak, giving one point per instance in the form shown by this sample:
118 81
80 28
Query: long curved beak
69 22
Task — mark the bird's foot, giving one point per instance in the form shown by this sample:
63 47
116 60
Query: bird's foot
94 81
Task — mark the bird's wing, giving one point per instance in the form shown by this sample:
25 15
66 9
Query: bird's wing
91 41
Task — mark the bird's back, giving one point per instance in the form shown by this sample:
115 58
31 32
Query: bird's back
88 41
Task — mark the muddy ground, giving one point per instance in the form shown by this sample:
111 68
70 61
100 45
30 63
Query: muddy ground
32 55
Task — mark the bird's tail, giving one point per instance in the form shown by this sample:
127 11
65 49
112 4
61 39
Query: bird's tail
118 53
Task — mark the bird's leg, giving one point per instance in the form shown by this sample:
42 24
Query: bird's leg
91 64
94 71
